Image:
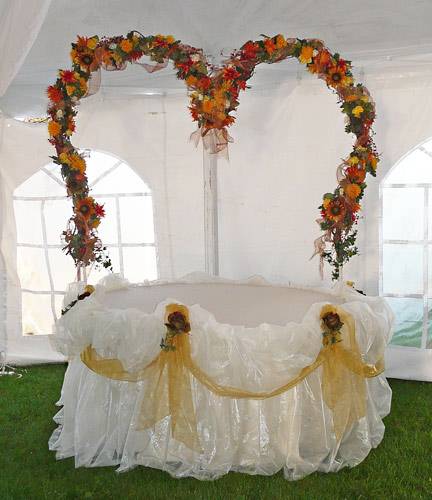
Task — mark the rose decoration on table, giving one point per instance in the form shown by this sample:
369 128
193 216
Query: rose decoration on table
214 96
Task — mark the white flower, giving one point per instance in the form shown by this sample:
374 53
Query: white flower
113 46
59 113
195 57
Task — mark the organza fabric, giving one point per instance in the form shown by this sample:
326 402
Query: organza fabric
293 431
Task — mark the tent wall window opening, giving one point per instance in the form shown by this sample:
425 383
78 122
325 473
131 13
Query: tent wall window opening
406 239
40 206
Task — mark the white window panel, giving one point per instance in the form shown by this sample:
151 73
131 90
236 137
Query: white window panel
408 328
121 180
63 270
402 269
403 213
39 184
42 211
108 230
37 318
136 219
28 222
32 269
56 214
415 168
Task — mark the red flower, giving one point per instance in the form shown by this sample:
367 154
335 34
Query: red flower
231 73
204 83
249 50
54 94
99 210
67 76
241 84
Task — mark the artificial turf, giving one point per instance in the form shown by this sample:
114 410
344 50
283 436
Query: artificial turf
400 468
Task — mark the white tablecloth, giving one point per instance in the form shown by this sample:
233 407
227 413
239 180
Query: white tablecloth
293 431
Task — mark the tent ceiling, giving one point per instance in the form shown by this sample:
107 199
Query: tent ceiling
366 32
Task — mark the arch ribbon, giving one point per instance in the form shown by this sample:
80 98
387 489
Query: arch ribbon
168 390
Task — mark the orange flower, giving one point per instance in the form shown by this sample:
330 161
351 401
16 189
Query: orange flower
126 46
207 105
306 53
191 81
353 191
280 42
54 128
356 175
77 163
269 45
85 207
320 61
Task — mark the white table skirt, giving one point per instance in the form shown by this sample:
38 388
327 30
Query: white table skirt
293 431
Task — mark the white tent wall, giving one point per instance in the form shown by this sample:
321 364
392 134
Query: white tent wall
289 138
151 134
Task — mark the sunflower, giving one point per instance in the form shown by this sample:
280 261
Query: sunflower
334 209
85 207
54 128
337 76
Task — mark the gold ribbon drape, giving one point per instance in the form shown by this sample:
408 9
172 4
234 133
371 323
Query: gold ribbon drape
168 384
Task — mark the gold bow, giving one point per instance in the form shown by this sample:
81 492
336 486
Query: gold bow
168 383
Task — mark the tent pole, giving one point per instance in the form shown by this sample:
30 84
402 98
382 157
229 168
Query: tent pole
211 229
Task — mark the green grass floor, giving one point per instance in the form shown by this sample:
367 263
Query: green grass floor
400 468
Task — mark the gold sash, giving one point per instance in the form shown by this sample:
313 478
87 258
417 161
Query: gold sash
168 383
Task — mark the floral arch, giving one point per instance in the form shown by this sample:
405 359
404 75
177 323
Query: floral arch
214 96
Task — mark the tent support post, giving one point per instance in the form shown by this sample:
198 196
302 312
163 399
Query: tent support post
211 229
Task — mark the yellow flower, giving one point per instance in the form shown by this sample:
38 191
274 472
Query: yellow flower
353 191
83 84
306 54
280 42
54 128
353 160
170 39
357 111
126 45
92 42
64 158
77 163
70 89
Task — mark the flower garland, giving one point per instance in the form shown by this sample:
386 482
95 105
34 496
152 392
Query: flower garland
214 93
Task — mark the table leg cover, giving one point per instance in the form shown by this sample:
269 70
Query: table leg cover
222 397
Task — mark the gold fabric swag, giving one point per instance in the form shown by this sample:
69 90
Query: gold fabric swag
168 389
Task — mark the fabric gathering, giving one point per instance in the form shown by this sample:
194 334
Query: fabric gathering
216 222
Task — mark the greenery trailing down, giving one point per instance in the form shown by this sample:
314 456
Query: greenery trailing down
400 468
343 250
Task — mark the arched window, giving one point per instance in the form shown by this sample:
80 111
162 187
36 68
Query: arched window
41 212
406 250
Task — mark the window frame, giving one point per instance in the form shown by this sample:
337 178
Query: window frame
425 242
45 246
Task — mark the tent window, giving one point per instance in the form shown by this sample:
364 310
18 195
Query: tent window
41 211
406 250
